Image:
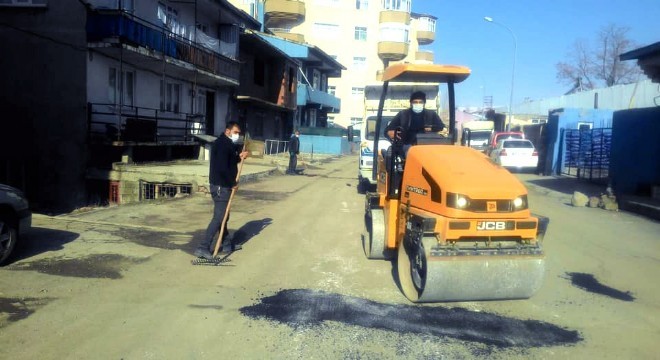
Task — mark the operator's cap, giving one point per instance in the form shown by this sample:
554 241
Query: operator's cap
418 95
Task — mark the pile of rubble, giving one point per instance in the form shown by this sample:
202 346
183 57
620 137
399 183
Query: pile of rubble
605 201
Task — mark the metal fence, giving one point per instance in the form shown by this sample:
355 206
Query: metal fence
275 147
587 154
111 122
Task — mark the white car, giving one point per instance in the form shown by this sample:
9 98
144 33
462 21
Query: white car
517 154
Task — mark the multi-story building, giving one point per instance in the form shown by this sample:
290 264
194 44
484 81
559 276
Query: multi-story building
92 82
363 35
316 100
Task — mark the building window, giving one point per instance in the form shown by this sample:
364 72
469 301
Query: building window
116 84
361 4
252 7
357 91
170 96
316 80
331 121
394 32
359 62
361 33
259 72
292 80
355 120
426 24
332 90
397 5
326 31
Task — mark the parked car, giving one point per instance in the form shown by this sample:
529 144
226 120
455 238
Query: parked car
499 136
515 154
15 219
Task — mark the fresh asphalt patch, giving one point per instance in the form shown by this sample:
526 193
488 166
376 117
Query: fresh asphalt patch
104 266
589 283
303 307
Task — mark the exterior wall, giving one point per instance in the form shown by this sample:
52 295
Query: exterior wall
345 47
634 161
561 119
619 97
317 144
42 94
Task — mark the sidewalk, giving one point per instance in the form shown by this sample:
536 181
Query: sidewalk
565 185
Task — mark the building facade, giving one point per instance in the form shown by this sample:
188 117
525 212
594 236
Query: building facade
361 34
91 83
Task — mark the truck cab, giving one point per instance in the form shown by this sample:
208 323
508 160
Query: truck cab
366 155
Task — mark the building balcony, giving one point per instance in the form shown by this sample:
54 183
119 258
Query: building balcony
309 96
425 29
424 56
140 43
284 13
287 34
389 16
392 51
425 37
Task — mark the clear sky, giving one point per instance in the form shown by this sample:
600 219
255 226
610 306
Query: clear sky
545 31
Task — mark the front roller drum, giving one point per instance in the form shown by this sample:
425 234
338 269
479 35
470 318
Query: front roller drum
373 238
426 278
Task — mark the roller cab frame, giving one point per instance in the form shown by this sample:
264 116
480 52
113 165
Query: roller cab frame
458 225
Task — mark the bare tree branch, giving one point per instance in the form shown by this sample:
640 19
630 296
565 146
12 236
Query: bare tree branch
600 65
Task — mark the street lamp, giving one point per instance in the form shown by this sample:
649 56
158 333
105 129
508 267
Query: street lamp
513 70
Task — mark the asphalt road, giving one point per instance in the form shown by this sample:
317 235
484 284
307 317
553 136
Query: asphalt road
117 283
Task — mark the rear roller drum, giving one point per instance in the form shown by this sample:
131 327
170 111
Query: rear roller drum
373 238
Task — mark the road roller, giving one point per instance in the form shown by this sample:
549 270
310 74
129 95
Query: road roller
458 226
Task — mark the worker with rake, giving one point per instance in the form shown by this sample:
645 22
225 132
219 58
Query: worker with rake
223 176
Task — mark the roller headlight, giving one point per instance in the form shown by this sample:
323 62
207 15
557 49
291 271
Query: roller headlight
458 201
520 203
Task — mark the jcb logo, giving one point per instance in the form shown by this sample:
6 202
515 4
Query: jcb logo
491 225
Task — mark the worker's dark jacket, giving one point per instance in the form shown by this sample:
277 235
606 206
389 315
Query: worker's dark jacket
412 124
224 158
294 145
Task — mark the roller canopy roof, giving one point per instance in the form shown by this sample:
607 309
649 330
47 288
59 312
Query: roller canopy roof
433 73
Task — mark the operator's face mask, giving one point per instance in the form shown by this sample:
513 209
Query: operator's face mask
234 137
417 108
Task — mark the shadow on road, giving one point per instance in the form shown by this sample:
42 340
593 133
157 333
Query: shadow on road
250 230
240 236
40 240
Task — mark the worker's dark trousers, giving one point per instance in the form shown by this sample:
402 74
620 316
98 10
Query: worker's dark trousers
293 161
221 200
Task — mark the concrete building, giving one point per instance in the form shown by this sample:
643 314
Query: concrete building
91 83
361 34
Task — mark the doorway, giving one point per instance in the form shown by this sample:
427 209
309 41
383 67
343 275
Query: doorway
210 113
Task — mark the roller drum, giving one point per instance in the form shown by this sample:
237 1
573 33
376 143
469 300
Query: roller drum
427 278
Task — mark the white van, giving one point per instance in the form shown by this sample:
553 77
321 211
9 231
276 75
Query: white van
366 157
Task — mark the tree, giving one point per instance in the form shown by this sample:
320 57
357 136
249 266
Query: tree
589 67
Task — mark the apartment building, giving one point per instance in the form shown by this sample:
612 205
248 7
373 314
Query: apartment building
316 101
92 82
361 34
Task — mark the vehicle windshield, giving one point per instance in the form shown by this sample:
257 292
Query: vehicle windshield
518 144
371 125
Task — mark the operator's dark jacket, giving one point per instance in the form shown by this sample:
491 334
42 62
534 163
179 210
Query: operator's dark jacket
224 158
412 124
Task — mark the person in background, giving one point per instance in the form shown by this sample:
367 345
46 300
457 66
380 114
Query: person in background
294 150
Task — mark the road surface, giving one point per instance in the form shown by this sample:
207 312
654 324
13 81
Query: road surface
116 283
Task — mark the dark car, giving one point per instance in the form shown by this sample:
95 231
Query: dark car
15 219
